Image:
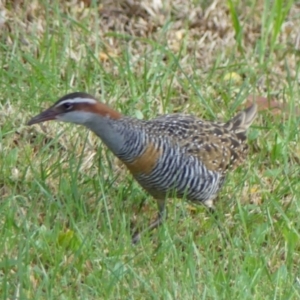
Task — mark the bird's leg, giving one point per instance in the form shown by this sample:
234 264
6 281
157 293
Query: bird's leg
162 215
212 211
209 204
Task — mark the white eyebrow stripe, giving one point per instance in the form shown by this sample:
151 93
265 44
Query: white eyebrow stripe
77 100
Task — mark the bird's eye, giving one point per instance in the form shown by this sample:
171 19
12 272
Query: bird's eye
67 106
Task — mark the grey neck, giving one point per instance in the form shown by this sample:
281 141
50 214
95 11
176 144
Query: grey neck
108 130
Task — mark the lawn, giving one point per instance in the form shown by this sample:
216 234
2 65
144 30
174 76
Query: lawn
68 206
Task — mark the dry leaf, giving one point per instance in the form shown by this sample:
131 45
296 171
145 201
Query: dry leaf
105 56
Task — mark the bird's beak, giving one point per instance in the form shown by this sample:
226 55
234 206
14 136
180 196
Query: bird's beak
46 115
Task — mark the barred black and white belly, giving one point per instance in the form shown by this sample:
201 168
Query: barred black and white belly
181 175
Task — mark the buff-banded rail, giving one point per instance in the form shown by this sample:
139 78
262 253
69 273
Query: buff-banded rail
173 155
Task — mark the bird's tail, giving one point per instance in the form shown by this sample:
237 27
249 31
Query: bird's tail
243 120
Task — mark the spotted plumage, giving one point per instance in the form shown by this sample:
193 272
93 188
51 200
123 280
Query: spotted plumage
172 155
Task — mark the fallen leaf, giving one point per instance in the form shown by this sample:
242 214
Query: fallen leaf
105 56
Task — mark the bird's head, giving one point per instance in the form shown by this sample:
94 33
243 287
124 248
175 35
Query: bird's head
78 108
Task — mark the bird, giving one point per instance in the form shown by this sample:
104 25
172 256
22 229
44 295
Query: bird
173 155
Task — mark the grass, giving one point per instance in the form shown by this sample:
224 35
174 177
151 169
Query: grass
66 203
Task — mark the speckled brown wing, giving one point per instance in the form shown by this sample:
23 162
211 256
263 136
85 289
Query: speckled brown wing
220 146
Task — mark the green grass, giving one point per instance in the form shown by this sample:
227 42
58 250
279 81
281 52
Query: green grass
66 204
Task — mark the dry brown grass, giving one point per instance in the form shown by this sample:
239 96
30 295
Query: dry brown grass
207 30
